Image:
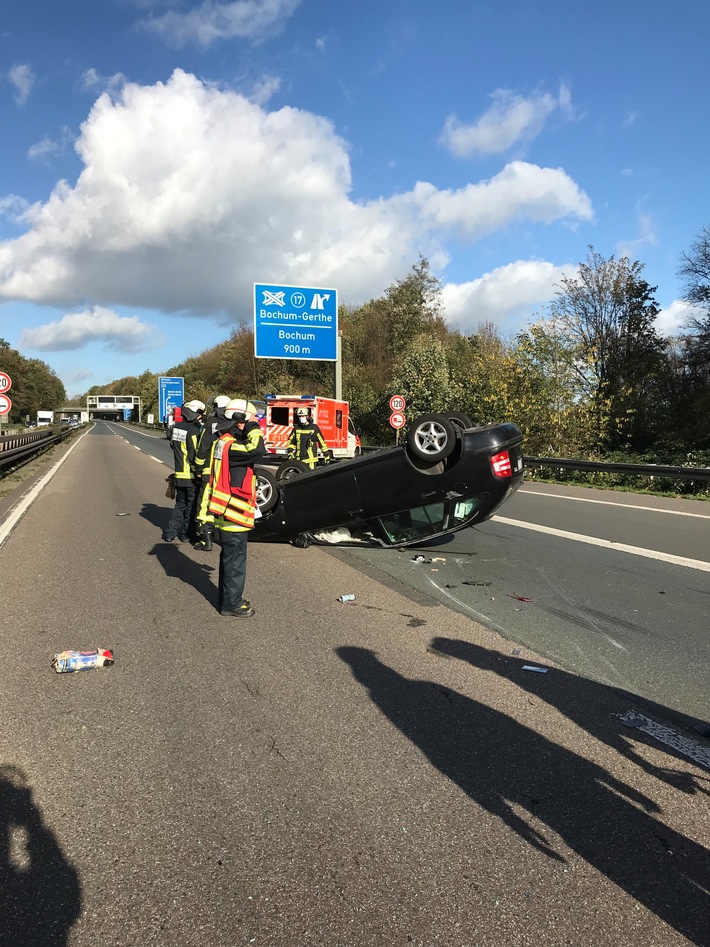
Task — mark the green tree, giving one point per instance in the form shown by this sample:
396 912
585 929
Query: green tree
607 313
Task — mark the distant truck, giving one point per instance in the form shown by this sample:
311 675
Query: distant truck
45 418
331 416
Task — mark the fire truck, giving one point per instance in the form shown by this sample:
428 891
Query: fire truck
331 416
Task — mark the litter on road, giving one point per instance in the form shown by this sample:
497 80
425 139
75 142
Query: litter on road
123 514
67 661
531 667
346 598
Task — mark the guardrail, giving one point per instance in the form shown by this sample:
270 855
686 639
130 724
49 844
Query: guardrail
19 448
641 470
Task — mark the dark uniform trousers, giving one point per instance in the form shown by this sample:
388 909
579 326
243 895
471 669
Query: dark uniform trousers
179 522
232 568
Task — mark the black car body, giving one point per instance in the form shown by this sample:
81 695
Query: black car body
446 477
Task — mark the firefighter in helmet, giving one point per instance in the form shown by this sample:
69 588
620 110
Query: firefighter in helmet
203 455
230 500
184 436
306 437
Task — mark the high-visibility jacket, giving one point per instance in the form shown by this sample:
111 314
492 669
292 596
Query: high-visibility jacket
183 440
304 442
229 500
205 445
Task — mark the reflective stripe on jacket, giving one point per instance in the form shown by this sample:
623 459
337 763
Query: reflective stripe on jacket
183 440
304 443
231 495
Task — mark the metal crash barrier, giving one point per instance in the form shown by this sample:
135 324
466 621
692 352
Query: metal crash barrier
17 449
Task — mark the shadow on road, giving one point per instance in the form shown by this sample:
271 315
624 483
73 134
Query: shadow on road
40 893
503 766
195 574
157 515
590 705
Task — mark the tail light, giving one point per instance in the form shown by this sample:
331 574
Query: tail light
501 464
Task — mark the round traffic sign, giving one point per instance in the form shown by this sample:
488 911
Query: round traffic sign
397 419
5 382
5 404
397 404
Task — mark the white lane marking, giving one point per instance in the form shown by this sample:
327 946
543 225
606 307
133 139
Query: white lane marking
686 746
28 498
607 544
140 448
624 506
134 430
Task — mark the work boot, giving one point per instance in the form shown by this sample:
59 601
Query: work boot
244 611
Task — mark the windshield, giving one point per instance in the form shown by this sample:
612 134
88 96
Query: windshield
429 520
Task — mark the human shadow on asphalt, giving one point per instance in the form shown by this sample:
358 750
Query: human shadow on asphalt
195 574
157 515
40 893
590 705
503 766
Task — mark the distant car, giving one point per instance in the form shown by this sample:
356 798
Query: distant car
447 476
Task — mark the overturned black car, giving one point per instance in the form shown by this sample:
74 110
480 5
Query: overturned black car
448 475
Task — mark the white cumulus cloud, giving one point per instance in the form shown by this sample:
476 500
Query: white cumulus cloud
511 120
76 330
210 21
504 296
22 78
674 319
189 194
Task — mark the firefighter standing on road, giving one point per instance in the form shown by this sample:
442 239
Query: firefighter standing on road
306 437
230 499
203 459
183 440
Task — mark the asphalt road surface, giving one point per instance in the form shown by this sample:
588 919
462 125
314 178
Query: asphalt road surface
379 773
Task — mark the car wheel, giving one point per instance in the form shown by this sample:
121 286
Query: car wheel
431 437
291 468
459 420
267 493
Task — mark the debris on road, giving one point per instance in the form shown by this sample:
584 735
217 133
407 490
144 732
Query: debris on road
346 598
67 661
532 667
521 598
123 514
517 650
473 582
421 559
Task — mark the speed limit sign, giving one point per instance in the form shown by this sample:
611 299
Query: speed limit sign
5 382
397 420
397 404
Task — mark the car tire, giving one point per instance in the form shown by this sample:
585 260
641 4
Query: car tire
291 468
460 421
267 491
431 437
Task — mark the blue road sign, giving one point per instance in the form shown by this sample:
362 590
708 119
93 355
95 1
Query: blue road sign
295 322
171 394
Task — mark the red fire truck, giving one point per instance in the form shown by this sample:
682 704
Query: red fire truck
331 416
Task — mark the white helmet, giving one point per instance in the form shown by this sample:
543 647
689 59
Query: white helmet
195 406
220 401
238 409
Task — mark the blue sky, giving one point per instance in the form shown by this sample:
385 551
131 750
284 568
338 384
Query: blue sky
158 157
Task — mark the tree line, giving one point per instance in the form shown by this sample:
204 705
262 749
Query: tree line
34 384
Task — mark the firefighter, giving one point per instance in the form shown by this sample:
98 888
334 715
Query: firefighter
184 436
306 437
210 433
230 499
